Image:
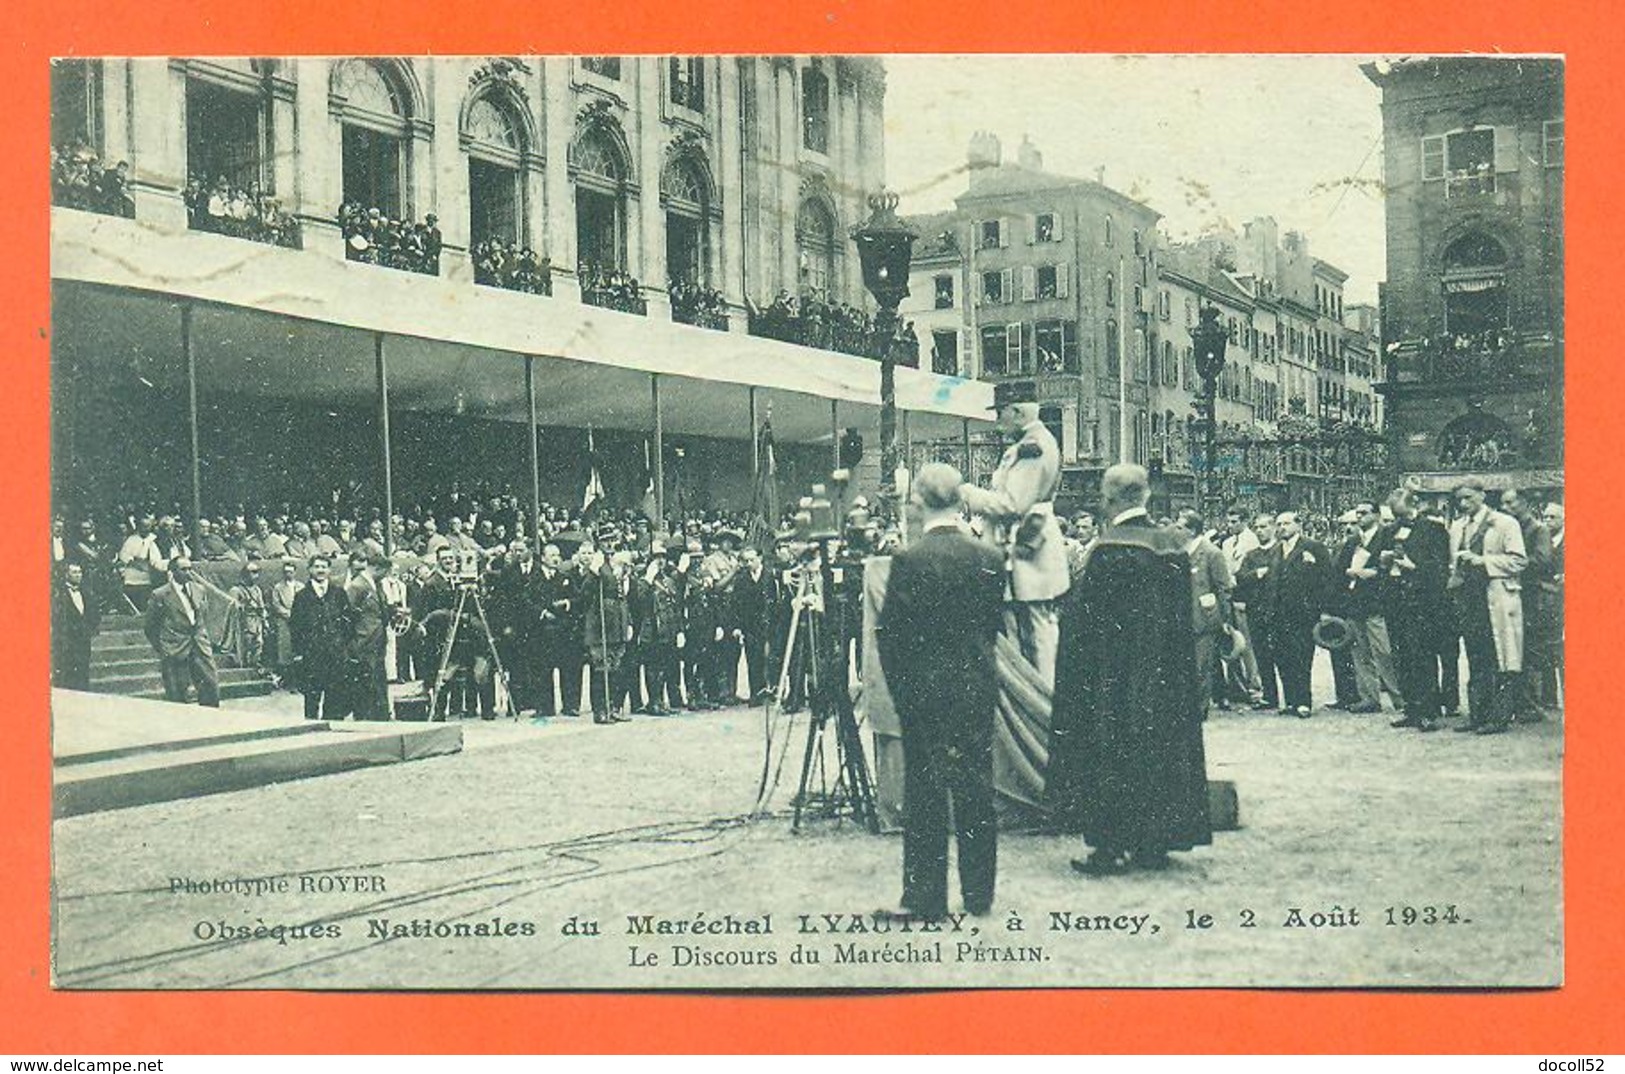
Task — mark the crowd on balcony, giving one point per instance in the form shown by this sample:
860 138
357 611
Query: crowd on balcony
244 213
811 321
694 303
611 288
80 179
501 263
374 238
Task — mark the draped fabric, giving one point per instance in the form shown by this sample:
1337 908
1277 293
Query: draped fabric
221 618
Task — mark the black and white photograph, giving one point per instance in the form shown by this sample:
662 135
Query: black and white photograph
798 522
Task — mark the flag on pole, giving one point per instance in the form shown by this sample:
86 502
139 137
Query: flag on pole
594 491
764 512
651 502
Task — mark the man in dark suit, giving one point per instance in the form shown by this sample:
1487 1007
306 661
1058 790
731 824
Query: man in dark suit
74 622
177 629
1547 668
1415 554
318 627
1255 598
558 633
1303 586
756 598
944 607
516 596
367 637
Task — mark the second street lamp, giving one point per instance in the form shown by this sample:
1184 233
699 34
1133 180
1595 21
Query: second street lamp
886 249
1208 339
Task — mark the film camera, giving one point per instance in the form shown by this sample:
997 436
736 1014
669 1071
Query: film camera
825 581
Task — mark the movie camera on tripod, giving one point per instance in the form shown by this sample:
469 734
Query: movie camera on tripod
815 626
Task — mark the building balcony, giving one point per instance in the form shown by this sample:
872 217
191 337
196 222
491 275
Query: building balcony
1484 358
499 263
272 322
811 322
80 180
372 237
703 307
1469 182
611 289
242 214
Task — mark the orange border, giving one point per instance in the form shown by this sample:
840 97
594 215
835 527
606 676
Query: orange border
1580 1018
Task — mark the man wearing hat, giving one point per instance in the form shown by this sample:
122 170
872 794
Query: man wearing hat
1020 505
701 627
657 619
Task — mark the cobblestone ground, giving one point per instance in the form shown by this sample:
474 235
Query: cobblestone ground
532 828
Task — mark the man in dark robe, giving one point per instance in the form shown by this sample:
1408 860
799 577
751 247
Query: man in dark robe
1127 768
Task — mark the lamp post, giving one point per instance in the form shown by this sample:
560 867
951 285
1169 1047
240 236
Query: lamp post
885 249
1208 339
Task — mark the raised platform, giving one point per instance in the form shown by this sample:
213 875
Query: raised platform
113 752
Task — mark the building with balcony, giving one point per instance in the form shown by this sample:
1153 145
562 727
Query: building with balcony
1472 310
1053 277
281 277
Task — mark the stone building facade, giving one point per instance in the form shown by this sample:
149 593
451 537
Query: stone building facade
738 174
1472 310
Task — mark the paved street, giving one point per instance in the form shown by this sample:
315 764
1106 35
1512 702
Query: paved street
534 825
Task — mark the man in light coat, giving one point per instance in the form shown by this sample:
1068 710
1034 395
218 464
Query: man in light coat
1487 560
1020 510
176 627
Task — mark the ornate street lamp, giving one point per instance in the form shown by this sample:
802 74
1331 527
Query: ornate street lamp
886 248
1209 339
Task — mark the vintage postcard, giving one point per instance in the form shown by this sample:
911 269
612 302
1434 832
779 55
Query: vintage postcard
781 522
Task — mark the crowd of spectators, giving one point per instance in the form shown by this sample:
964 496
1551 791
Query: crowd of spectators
696 304
486 519
80 179
501 263
812 322
243 213
610 288
376 239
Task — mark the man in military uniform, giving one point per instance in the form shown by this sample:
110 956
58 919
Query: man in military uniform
1020 508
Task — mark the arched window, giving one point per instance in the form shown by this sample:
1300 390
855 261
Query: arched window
1108 231
494 135
1111 289
1114 354
1474 281
1476 441
375 119
815 248
601 172
686 190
